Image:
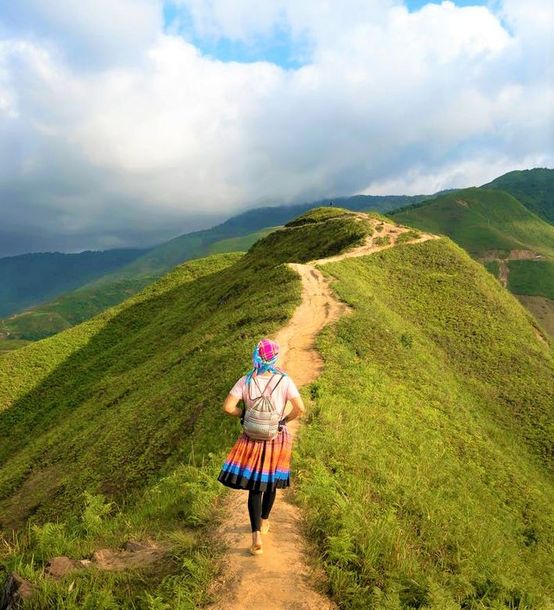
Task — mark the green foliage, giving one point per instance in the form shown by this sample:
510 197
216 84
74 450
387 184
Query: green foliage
481 220
533 187
7 345
318 215
32 278
239 244
407 236
307 241
534 277
84 303
485 222
424 470
382 240
492 267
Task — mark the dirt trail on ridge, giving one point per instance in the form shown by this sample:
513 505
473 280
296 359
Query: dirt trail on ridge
281 578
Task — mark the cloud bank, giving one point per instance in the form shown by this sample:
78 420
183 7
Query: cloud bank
119 126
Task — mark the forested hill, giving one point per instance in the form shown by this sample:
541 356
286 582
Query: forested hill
33 278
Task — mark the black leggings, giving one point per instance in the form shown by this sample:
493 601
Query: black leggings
259 507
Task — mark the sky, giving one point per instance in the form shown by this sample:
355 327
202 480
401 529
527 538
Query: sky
127 122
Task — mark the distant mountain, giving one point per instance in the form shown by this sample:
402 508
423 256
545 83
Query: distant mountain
74 307
237 233
33 278
192 245
533 187
516 245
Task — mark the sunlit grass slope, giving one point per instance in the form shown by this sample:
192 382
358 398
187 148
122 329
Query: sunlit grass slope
533 187
127 408
425 467
481 220
491 223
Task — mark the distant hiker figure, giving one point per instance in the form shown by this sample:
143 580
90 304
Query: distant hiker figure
260 458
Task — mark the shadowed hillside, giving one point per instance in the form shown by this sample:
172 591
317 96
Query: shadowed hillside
33 278
425 467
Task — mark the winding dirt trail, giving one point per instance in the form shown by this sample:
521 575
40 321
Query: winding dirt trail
281 578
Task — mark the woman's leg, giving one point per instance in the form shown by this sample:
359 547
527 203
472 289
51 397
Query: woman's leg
267 502
255 514
255 509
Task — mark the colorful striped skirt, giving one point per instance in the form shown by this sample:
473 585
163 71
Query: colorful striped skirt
258 465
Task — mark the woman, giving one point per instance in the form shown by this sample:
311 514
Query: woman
261 466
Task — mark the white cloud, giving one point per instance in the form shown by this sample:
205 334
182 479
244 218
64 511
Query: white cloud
110 127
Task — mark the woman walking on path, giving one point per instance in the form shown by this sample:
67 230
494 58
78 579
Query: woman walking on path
261 466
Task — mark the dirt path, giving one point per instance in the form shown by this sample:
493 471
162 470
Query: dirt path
281 578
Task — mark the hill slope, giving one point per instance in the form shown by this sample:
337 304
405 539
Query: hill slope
515 245
237 233
433 410
87 301
426 468
533 187
32 278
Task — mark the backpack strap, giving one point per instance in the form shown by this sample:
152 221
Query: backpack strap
258 386
275 387
266 386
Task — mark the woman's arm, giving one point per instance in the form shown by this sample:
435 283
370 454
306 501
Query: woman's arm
230 406
297 408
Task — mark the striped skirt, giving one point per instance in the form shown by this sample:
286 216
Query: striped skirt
258 465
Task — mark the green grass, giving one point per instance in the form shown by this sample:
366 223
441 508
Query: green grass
127 408
306 241
493 267
532 277
533 187
318 215
7 345
238 244
28 279
84 303
425 469
485 222
480 220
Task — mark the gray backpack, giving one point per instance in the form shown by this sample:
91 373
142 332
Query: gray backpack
261 418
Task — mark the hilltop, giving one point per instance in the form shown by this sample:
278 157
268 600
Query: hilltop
516 245
237 233
424 469
533 187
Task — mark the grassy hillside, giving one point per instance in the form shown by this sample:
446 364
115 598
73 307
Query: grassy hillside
424 470
497 229
533 187
126 407
85 302
237 233
482 220
32 278
425 467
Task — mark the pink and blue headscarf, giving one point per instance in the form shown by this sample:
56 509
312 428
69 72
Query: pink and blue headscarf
264 357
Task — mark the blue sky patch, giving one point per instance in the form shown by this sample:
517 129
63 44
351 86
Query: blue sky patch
279 48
